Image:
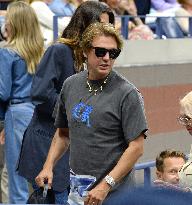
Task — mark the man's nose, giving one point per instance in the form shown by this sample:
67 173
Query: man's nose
106 56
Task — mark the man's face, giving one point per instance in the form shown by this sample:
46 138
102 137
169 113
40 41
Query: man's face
99 67
170 171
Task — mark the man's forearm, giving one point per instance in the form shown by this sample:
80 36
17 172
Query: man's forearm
59 146
128 159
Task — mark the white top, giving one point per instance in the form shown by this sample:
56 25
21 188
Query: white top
45 17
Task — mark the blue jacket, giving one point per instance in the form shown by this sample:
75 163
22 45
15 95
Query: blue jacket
15 81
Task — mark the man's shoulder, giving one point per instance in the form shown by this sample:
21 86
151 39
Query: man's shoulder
59 47
123 83
74 80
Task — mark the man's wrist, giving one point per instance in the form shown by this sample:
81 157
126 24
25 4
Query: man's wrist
110 181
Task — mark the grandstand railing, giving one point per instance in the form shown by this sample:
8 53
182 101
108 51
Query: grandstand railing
124 24
146 166
126 18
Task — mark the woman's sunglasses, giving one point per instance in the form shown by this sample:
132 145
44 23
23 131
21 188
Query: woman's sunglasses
101 52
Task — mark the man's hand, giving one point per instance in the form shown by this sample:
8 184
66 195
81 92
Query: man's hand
45 176
97 195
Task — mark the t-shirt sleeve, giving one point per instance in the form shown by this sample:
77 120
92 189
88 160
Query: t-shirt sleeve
59 112
133 115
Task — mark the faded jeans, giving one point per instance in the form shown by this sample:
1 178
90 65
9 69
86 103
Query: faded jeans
17 118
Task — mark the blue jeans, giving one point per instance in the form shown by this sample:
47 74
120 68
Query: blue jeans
17 118
60 197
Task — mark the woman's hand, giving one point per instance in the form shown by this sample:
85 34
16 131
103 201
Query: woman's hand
2 137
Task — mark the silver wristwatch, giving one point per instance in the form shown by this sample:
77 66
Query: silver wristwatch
110 180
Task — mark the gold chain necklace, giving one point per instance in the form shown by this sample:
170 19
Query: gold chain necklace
99 88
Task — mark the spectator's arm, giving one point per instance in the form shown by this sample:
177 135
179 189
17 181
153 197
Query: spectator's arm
161 5
45 16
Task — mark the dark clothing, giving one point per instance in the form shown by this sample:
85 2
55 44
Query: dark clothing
4 5
54 68
143 7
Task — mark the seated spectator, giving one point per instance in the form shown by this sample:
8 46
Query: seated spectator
162 8
168 163
137 29
185 118
184 10
45 17
62 7
163 5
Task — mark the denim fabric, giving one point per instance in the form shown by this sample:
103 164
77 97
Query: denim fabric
168 27
60 197
15 81
17 118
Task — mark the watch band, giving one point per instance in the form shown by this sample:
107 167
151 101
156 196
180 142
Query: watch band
110 180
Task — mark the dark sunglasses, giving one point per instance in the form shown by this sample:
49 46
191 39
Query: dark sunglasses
101 52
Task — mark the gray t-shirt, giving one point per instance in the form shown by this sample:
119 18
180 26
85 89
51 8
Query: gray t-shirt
100 126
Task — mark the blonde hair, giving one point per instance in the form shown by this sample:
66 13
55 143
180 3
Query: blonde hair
186 104
26 37
99 29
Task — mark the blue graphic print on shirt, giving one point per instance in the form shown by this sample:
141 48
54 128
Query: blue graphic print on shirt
81 112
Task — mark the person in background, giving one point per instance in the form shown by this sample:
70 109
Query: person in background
143 7
45 17
56 65
168 164
163 5
184 10
185 117
137 29
20 58
3 169
101 116
62 7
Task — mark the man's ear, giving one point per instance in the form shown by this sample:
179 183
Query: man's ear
159 174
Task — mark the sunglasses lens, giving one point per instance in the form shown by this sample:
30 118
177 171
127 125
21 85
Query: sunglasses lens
100 52
114 53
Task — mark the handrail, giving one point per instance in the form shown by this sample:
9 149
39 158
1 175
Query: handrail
147 171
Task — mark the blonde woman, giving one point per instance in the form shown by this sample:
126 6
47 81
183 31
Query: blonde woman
18 62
